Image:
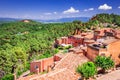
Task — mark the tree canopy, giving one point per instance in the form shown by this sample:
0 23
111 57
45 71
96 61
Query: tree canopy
22 42
107 18
104 62
87 69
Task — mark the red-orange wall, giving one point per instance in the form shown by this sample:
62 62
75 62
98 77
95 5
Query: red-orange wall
92 53
114 49
42 64
48 62
77 41
33 64
70 40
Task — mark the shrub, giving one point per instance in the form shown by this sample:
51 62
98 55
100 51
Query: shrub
87 70
104 62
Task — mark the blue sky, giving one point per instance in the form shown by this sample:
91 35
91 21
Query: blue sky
54 9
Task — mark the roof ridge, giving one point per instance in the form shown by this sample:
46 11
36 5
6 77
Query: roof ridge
63 59
60 70
114 41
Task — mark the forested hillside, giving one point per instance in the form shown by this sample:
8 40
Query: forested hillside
22 42
107 18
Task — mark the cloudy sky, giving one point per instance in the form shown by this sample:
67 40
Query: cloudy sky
54 9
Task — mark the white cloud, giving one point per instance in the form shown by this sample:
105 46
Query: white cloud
90 9
47 13
85 9
60 16
105 7
119 7
26 16
71 10
50 13
41 16
54 12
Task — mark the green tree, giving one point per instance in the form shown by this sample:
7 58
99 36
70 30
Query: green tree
104 62
87 70
20 58
8 77
5 62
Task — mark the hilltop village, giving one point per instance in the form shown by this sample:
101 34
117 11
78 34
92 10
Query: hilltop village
33 50
86 46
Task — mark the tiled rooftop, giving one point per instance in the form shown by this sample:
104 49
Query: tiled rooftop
118 36
61 55
89 36
115 75
71 61
109 40
103 44
89 40
77 36
28 77
117 30
76 50
97 46
61 74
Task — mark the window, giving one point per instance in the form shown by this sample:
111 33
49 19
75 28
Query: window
36 66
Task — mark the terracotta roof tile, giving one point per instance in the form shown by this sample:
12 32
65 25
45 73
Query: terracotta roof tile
61 55
89 36
61 74
28 77
76 50
77 36
71 61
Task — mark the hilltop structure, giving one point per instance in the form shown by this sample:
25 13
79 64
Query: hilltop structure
26 20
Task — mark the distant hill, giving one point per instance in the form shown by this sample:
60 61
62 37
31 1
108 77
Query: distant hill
83 19
4 20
